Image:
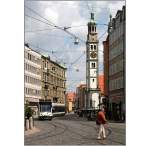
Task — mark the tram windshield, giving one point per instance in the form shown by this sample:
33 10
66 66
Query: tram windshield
45 108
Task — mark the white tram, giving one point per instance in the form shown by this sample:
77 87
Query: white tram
48 110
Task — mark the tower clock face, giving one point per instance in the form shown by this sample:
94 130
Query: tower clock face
93 55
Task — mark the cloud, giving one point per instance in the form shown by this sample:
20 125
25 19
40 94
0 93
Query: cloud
113 7
51 15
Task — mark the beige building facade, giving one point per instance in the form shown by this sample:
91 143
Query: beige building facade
53 81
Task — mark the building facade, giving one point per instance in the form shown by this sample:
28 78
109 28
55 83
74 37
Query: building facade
32 78
106 66
117 66
70 101
81 100
53 81
92 66
101 83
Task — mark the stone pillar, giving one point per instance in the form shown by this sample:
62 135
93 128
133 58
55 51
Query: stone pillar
27 124
31 123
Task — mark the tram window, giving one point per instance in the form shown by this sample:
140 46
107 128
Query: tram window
58 109
45 108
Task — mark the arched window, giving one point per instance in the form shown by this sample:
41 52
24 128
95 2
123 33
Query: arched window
92 28
91 47
95 47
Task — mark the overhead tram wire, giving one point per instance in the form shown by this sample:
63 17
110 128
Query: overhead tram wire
42 22
78 58
49 24
38 48
39 15
37 19
54 25
49 35
53 52
48 29
102 35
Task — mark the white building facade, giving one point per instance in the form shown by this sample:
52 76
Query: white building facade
32 78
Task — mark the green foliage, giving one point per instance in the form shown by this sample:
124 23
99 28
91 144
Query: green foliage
28 111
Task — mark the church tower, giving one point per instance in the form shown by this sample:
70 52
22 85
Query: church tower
92 97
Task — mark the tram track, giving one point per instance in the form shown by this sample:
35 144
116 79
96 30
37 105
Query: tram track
59 128
48 134
85 137
108 134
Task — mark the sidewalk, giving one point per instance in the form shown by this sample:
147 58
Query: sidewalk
34 130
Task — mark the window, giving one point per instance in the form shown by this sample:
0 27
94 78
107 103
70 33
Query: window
90 29
93 65
93 28
25 78
91 47
29 56
53 68
93 80
95 47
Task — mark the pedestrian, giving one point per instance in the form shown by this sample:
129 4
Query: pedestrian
102 121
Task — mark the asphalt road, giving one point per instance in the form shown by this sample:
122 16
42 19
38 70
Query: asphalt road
73 130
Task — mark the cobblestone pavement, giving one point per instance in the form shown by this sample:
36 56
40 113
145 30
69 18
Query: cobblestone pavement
74 130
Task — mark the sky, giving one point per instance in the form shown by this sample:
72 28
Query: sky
45 38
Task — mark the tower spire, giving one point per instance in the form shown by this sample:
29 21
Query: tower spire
92 16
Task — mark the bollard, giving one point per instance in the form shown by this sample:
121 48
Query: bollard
27 124
31 123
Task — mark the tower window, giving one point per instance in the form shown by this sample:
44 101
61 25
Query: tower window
95 47
93 28
92 47
93 65
93 80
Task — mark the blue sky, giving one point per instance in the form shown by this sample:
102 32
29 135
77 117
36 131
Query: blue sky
58 44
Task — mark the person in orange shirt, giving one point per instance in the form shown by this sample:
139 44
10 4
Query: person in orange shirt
102 121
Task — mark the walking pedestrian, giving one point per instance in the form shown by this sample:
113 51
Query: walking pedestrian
102 121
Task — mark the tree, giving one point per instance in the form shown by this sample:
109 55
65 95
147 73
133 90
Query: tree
28 111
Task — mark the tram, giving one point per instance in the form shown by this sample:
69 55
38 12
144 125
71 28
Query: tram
45 110
48 110
58 109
